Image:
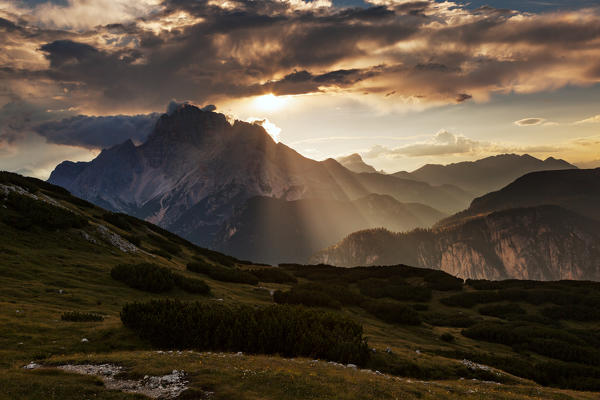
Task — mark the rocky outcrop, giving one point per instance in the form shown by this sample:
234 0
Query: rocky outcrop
355 163
539 243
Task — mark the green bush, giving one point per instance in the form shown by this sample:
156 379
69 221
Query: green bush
450 320
380 288
223 274
502 310
118 219
286 330
145 276
440 280
392 312
447 337
191 285
319 295
76 316
27 213
273 275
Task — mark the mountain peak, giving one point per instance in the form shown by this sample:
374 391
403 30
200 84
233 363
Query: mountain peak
355 163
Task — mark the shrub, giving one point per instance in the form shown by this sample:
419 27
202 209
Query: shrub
306 297
450 320
163 244
571 313
145 276
440 280
392 312
223 274
191 285
447 337
273 275
380 288
31 212
118 219
76 316
286 330
502 310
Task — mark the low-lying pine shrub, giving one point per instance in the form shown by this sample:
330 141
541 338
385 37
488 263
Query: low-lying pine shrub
440 280
191 285
273 275
450 320
223 274
392 312
27 213
156 279
502 310
148 277
76 316
286 330
380 288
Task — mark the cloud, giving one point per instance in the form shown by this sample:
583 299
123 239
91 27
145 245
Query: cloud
445 143
442 143
273 130
530 122
109 56
97 132
592 120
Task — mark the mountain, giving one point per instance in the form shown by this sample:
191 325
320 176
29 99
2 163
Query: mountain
577 190
538 243
196 169
485 175
355 163
277 231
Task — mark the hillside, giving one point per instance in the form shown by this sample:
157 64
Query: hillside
196 169
61 300
485 175
540 243
274 231
575 190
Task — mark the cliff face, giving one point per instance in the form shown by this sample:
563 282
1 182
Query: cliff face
540 243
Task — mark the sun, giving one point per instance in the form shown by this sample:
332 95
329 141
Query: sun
269 102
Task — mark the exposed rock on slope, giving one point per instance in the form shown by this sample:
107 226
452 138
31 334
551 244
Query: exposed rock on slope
541 243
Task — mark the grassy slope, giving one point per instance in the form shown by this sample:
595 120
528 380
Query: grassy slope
36 265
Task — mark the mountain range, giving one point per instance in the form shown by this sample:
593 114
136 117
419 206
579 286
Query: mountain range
485 175
543 226
196 170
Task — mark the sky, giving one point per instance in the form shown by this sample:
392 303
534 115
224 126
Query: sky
401 82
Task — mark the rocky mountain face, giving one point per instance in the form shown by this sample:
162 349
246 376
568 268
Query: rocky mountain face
196 169
485 175
355 163
539 243
277 231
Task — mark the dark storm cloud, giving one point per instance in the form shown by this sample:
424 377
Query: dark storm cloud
209 50
97 132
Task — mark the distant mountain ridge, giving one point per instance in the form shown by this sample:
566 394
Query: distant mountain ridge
545 225
539 243
196 169
576 190
277 231
355 163
485 175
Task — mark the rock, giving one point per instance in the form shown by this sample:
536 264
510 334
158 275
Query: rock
32 365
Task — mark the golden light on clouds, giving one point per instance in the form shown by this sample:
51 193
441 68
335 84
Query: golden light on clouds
269 102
